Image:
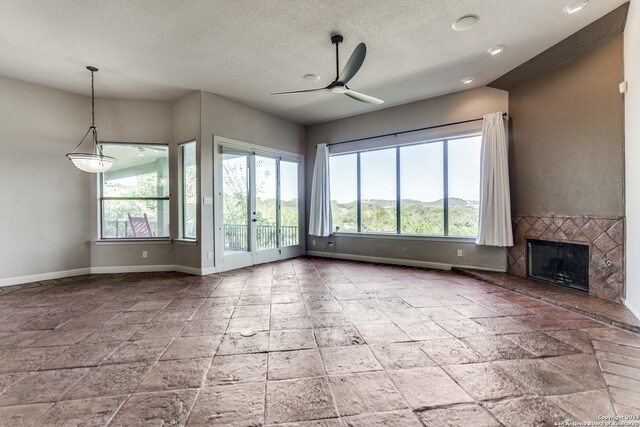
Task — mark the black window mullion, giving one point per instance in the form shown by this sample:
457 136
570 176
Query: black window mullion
445 180
398 195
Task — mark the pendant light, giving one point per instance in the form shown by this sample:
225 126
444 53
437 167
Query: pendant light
95 162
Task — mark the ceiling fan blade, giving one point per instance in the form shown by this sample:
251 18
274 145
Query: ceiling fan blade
362 97
300 91
354 64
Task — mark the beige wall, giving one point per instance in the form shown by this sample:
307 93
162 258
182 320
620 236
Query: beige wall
632 155
222 117
459 106
186 127
49 210
44 201
567 137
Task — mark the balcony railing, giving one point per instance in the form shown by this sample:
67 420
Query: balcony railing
121 229
236 237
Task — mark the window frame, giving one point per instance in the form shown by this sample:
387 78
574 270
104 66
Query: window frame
102 198
182 192
445 170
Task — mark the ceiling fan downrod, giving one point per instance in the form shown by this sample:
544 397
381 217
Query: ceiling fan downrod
336 40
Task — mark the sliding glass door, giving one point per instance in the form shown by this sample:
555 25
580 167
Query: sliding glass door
260 218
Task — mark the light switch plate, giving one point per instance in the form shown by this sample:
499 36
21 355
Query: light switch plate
207 200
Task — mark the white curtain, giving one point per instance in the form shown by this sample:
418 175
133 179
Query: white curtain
495 205
320 209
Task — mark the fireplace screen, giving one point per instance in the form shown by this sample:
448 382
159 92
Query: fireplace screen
564 264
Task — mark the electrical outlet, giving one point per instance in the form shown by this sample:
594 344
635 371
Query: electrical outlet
313 242
144 254
459 252
209 255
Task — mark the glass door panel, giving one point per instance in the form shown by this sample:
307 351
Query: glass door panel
258 208
266 212
289 222
235 202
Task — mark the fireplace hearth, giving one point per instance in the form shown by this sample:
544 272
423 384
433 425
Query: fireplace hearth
564 264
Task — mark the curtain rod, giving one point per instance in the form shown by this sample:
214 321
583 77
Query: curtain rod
409 131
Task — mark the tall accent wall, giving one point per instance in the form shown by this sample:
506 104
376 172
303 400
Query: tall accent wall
567 163
567 135
436 252
632 155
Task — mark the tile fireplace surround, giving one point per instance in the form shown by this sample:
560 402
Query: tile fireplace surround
604 235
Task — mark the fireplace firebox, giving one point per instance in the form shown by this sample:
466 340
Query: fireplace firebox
560 263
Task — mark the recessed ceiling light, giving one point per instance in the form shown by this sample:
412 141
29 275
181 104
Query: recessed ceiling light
466 22
467 80
495 50
574 7
311 77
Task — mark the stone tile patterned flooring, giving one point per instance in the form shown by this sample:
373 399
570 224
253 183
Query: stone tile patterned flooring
336 343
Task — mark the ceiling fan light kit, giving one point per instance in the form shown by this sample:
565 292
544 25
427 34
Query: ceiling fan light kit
96 161
339 85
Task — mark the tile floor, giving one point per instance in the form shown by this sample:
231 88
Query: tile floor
336 343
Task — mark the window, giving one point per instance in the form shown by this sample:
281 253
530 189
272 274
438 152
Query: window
344 193
422 189
135 192
188 190
427 188
464 186
289 221
378 191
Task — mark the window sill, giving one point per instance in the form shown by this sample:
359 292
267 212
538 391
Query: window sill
186 242
445 239
107 242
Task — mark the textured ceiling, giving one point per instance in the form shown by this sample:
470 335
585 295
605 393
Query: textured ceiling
246 49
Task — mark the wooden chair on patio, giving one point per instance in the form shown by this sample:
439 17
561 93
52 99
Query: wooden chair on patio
140 226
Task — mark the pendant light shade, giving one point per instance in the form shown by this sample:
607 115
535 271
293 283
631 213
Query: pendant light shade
96 161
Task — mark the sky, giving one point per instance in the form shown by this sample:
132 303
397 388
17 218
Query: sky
421 172
266 177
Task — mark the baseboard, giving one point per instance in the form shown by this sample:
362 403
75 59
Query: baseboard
10 281
399 261
132 269
210 270
189 270
633 309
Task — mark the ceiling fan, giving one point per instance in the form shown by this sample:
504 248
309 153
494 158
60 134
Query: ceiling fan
339 85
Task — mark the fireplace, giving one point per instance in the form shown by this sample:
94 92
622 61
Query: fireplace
603 236
565 264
